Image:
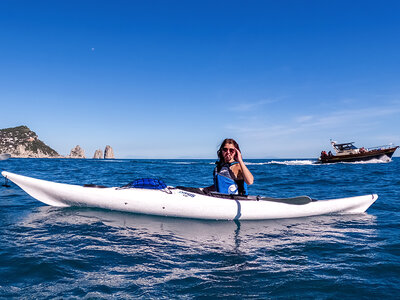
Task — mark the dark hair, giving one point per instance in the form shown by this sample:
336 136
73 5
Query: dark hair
219 152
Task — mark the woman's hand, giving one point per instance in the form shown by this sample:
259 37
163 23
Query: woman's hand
238 156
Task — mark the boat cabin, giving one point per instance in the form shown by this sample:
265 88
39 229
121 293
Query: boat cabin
345 148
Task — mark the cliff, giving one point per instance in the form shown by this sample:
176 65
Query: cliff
22 142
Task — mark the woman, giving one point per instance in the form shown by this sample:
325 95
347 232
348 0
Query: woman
231 176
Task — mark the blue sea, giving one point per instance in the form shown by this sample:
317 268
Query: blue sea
63 253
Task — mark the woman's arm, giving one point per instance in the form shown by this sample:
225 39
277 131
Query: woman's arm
247 176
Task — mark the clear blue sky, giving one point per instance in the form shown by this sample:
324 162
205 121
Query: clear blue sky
171 79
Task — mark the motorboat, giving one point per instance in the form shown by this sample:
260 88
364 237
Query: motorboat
4 156
348 152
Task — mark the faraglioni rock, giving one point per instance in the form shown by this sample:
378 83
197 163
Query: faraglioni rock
77 152
22 142
98 154
108 152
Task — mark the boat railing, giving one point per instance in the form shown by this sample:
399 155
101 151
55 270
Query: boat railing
383 147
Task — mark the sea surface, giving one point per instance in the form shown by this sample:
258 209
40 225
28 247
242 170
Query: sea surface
63 253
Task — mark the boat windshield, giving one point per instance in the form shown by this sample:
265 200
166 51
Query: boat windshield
343 147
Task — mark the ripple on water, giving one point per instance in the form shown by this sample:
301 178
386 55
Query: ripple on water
49 252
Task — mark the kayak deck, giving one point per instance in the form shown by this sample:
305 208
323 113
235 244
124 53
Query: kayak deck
299 200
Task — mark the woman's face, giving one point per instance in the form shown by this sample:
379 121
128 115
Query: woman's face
228 152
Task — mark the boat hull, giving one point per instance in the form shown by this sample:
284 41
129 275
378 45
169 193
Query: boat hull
176 202
372 154
4 156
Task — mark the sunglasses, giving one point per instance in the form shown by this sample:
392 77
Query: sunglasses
231 150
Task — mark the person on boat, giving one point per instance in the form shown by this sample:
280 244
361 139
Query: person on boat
231 176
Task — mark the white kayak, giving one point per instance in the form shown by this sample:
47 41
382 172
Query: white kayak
184 203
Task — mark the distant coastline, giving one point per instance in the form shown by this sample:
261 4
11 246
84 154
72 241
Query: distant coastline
22 142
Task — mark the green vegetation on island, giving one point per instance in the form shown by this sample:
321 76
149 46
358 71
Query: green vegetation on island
22 142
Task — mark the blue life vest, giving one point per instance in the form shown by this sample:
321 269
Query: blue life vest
225 183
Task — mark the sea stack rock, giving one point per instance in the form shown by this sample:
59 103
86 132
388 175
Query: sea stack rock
108 153
77 152
98 154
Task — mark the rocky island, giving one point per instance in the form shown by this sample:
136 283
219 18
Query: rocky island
109 153
77 152
98 154
22 142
